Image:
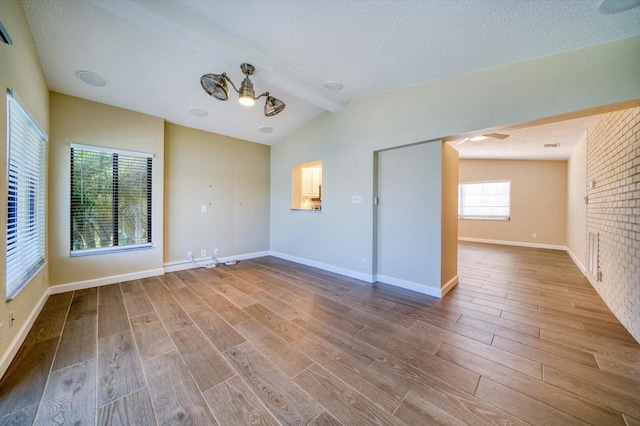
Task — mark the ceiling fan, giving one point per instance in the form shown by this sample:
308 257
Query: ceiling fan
483 137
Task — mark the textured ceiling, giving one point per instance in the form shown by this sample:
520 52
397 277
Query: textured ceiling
528 143
153 52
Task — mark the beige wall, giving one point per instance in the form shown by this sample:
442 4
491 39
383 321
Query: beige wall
75 120
20 71
230 177
449 243
613 212
538 201
576 207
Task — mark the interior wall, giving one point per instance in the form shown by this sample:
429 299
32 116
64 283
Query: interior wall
613 211
340 237
576 206
409 217
231 178
20 70
75 120
449 239
538 201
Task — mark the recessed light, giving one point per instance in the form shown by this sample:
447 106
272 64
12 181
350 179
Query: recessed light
333 85
198 112
614 6
477 138
265 129
91 78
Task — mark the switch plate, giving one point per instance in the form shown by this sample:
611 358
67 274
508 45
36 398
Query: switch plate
356 199
535 236
203 209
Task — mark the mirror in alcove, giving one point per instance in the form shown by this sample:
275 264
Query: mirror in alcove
306 186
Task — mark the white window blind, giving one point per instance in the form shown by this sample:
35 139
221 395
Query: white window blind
110 200
25 196
484 200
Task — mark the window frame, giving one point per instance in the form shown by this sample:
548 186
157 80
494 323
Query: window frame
25 232
462 216
116 155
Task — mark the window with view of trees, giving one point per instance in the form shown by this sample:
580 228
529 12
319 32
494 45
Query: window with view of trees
110 200
484 200
26 184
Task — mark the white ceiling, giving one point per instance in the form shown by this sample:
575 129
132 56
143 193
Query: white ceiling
153 52
528 143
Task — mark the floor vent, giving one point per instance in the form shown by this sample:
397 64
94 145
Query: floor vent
552 145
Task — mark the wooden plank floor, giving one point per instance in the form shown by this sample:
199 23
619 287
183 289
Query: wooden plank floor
523 339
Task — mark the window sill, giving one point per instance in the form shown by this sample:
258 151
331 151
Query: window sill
107 250
25 282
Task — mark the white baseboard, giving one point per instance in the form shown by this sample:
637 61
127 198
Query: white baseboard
324 266
410 285
182 265
80 285
513 243
577 262
18 340
246 256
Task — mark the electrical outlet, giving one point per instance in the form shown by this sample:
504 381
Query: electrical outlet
189 255
215 252
12 318
364 263
535 236
203 253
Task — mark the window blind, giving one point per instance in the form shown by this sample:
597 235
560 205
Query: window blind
110 199
484 200
25 197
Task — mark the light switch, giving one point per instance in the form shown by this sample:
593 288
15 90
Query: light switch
356 199
203 209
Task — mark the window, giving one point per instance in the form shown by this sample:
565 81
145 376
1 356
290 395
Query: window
306 186
110 200
25 196
484 200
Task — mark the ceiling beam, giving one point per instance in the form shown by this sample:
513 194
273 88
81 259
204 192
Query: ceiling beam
163 18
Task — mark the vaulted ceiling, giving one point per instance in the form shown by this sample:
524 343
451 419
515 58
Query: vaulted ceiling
153 52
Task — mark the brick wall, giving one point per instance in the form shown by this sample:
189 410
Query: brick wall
613 211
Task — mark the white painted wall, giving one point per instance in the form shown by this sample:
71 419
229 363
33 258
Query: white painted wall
341 236
576 207
409 219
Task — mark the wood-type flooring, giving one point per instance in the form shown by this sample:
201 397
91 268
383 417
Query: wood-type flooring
522 339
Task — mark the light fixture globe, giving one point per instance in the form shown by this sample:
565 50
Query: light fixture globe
215 85
246 93
273 106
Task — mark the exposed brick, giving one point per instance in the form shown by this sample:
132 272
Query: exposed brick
613 162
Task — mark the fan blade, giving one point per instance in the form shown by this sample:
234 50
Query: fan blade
497 135
462 141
